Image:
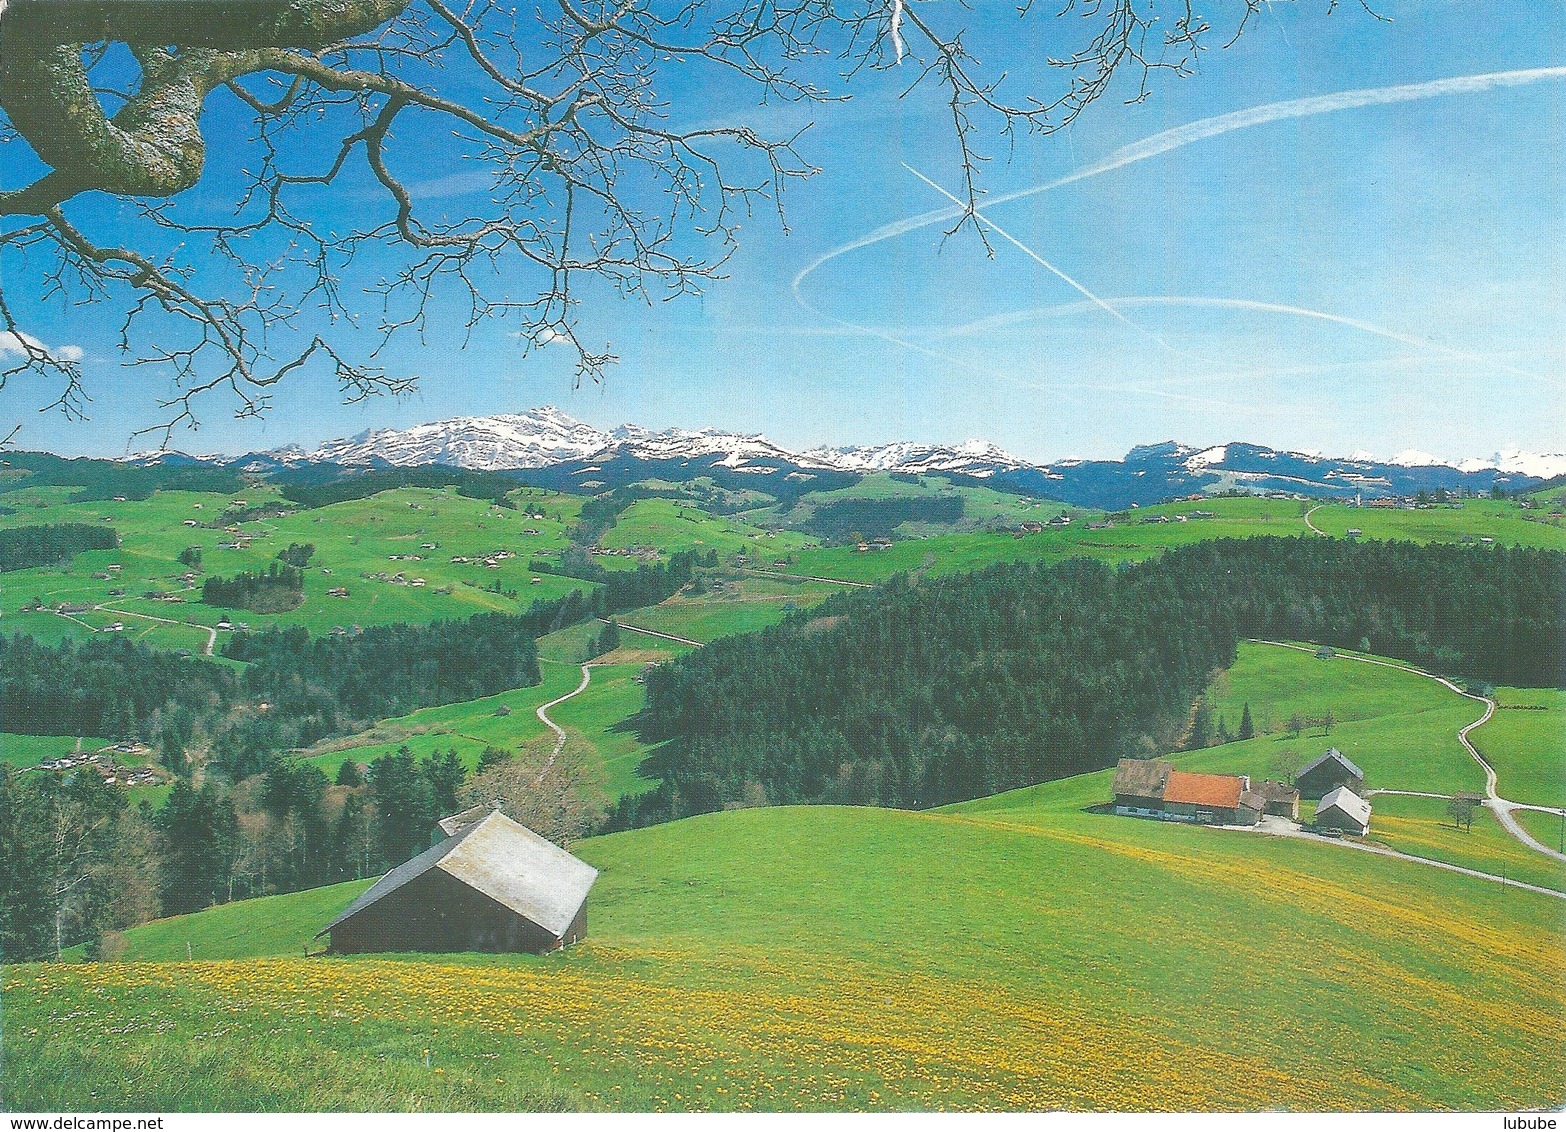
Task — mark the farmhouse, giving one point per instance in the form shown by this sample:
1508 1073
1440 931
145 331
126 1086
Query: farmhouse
1331 770
1153 788
1343 809
492 885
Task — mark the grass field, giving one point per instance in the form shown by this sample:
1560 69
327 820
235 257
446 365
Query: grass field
351 539
1501 520
672 525
742 605
1523 741
1139 535
1400 728
600 716
1545 828
1421 826
1017 953
30 750
466 727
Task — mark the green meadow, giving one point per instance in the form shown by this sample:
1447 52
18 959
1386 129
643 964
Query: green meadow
1421 826
506 720
1471 520
414 532
1017 953
741 604
600 716
30 750
671 525
1399 727
1523 741
1547 829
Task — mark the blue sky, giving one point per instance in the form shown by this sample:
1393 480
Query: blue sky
1381 276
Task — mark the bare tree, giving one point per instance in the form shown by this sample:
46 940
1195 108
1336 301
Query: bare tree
597 168
558 796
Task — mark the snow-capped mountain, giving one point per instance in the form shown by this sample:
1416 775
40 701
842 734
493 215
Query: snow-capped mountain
971 457
1513 461
552 444
534 439
735 449
546 436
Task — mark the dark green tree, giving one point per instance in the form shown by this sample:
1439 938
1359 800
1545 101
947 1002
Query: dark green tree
196 832
1201 726
404 805
1247 727
348 774
446 774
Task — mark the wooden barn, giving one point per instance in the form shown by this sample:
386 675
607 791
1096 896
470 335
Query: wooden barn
1331 770
1139 786
492 885
1343 809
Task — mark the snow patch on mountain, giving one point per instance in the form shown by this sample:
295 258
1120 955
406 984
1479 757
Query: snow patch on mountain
972 457
1210 456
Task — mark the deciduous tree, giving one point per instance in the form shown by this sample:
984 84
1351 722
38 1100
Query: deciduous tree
601 164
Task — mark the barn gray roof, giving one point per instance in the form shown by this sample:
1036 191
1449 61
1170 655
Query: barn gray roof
1142 778
1336 755
505 861
1346 802
456 823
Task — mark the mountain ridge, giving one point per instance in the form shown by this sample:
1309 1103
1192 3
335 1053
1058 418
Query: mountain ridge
548 442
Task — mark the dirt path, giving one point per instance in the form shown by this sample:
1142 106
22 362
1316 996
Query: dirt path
1501 807
1280 830
812 578
652 633
211 632
1312 525
542 711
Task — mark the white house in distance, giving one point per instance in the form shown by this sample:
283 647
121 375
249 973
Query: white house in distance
1343 809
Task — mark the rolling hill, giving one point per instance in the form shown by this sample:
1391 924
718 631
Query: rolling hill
1018 952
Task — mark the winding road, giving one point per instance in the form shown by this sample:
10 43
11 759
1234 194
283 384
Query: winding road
542 711
211 632
1313 527
1501 807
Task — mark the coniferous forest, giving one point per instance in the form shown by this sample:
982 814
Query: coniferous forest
51 544
963 686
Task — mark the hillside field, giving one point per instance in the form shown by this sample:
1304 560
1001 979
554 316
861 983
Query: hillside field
351 539
841 958
1019 951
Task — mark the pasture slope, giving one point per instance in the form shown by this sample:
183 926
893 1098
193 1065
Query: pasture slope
1015 952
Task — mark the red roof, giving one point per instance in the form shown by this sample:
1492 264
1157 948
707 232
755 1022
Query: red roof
1220 790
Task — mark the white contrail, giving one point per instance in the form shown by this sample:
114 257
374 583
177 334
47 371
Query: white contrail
979 217
1179 137
1249 305
1201 130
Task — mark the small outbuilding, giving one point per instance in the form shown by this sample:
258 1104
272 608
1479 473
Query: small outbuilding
1343 809
491 885
1280 799
1331 770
